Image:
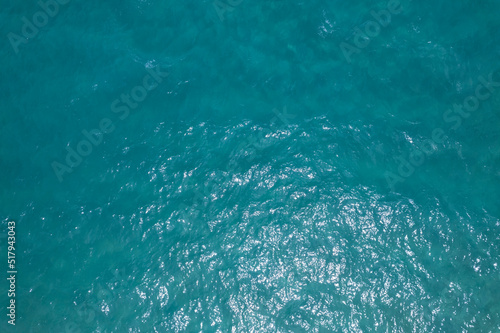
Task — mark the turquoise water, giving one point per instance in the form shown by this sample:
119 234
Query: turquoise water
277 171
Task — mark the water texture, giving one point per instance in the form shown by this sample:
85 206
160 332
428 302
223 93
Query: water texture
239 166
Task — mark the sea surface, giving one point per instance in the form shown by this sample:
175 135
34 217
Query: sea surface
251 166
